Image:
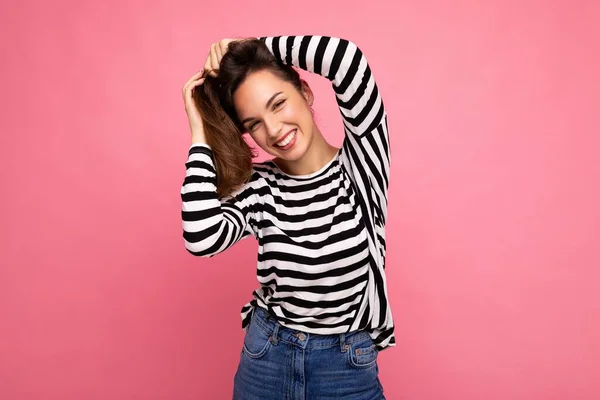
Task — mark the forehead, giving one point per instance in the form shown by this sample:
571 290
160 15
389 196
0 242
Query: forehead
252 95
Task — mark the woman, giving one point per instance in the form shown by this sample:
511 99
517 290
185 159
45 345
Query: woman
321 315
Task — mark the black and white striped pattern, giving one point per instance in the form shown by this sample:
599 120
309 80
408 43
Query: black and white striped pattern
321 237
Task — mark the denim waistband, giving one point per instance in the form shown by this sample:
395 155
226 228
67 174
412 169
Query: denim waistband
278 332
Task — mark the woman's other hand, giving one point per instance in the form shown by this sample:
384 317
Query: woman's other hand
216 53
191 109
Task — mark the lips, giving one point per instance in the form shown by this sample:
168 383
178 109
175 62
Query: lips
284 137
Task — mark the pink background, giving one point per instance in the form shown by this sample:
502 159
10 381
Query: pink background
493 230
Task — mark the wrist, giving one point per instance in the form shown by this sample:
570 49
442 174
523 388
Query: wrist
198 138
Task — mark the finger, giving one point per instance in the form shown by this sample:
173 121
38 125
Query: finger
207 65
214 59
193 87
193 84
194 77
197 82
209 71
224 45
219 52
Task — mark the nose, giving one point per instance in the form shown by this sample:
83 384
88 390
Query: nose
273 127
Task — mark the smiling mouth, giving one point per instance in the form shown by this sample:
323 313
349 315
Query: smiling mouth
286 139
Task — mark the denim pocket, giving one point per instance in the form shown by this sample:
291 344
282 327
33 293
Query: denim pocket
256 342
363 353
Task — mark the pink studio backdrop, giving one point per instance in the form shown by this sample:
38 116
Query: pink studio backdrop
493 230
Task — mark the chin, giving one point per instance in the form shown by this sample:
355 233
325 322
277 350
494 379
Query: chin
294 154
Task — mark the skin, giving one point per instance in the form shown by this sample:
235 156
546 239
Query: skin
289 109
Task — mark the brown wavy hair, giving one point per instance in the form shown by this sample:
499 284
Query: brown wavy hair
214 100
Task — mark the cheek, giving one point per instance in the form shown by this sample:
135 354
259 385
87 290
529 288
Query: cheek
297 113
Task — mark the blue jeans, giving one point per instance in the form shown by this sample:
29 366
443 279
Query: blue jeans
279 363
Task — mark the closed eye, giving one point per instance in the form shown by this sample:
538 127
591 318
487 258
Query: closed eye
275 106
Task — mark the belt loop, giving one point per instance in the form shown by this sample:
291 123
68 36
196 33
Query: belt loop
343 346
275 334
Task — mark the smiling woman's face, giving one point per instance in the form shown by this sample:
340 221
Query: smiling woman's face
274 112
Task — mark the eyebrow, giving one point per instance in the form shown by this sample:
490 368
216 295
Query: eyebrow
266 106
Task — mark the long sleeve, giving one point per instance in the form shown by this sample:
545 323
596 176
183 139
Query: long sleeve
365 156
344 64
359 101
210 226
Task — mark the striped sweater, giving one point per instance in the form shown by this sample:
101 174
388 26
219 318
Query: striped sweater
321 236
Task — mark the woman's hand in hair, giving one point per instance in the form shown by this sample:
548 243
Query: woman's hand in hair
211 67
191 110
216 53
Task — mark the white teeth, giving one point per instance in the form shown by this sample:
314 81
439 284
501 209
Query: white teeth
287 140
